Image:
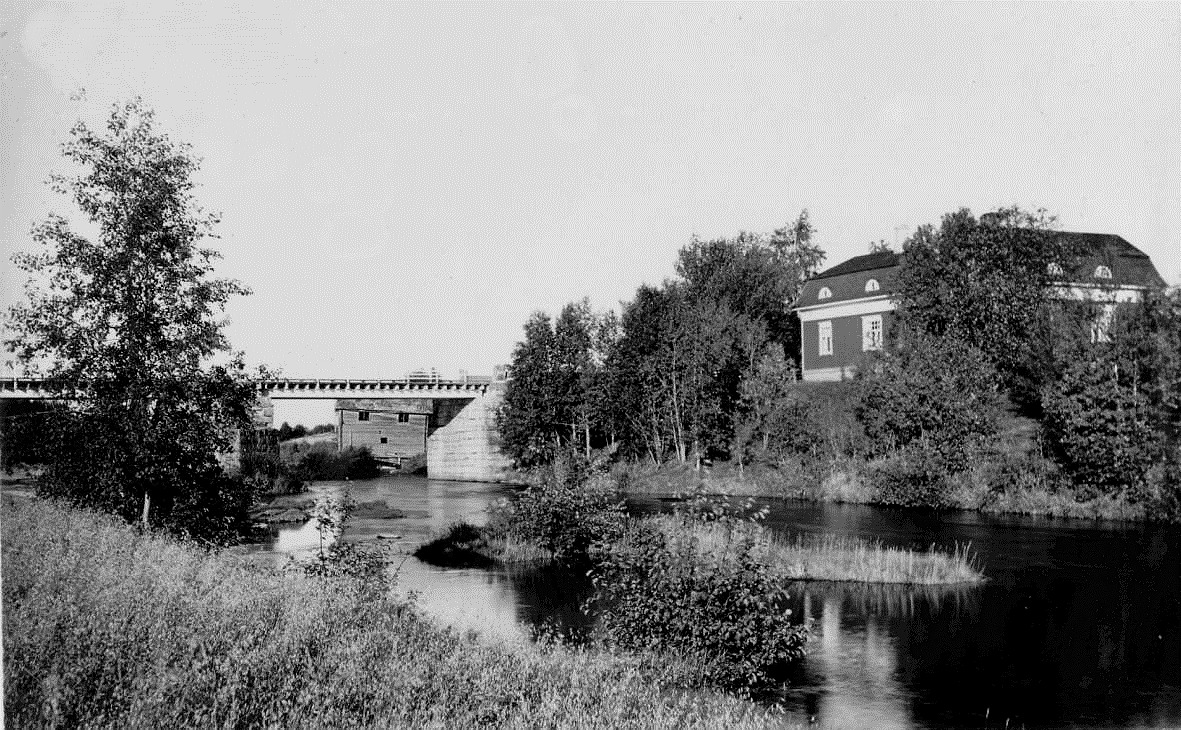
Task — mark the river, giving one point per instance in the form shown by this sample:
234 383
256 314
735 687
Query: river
1078 625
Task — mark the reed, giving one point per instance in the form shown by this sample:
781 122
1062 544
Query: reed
829 557
106 627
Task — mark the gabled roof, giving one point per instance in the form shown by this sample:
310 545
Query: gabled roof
847 280
868 262
1129 265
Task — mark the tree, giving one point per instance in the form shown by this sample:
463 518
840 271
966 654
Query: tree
1098 422
938 394
553 399
127 325
528 415
985 282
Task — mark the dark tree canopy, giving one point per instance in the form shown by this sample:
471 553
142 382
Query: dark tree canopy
664 380
128 323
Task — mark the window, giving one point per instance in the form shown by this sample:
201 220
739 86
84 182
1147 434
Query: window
871 332
872 285
826 338
1102 272
384 440
1053 269
825 293
403 418
362 415
1101 324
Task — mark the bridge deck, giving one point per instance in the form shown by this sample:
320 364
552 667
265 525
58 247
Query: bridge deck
307 388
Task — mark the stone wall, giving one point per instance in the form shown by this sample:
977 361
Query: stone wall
466 446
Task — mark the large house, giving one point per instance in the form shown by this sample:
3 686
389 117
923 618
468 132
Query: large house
845 311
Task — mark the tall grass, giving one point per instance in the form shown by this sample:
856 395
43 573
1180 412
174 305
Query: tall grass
832 557
105 627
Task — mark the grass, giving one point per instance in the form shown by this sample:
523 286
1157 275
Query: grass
107 627
826 557
831 557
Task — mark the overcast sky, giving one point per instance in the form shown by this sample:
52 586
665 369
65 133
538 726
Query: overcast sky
401 185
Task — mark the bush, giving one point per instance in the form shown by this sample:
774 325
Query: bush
1098 424
569 512
324 462
939 393
914 477
720 605
106 627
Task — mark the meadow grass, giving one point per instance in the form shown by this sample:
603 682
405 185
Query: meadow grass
107 627
828 557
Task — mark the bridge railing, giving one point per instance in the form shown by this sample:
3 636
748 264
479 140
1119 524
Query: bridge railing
30 387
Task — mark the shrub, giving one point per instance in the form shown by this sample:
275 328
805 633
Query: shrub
938 392
107 627
1098 424
720 605
915 477
323 461
567 513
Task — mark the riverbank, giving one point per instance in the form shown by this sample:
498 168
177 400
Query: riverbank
825 558
107 627
991 488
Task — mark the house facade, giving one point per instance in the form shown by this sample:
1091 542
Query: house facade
846 311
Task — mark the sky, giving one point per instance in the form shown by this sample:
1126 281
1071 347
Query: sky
401 185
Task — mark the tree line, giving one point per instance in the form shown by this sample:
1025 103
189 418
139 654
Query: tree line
705 366
663 379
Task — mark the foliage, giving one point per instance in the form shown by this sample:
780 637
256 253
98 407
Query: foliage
554 399
684 348
718 603
1098 423
663 379
773 419
23 425
126 325
323 462
985 283
915 477
287 432
461 545
570 512
938 393
365 564
104 627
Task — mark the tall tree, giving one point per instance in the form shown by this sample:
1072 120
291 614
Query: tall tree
128 324
554 398
986 283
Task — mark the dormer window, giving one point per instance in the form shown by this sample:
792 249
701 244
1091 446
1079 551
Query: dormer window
825 293
1053 269
1102 272
872 285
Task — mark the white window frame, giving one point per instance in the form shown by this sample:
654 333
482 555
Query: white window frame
824 293
871 333
872 285
824 338
1102 272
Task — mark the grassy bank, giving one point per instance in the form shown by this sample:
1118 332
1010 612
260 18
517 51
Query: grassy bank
105 627
828 557
825 557
1000 486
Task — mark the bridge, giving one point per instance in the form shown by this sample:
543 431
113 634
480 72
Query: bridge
450 421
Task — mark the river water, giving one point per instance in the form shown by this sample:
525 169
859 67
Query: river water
1079 624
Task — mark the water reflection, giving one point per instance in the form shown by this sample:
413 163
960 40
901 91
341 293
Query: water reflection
1079 624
